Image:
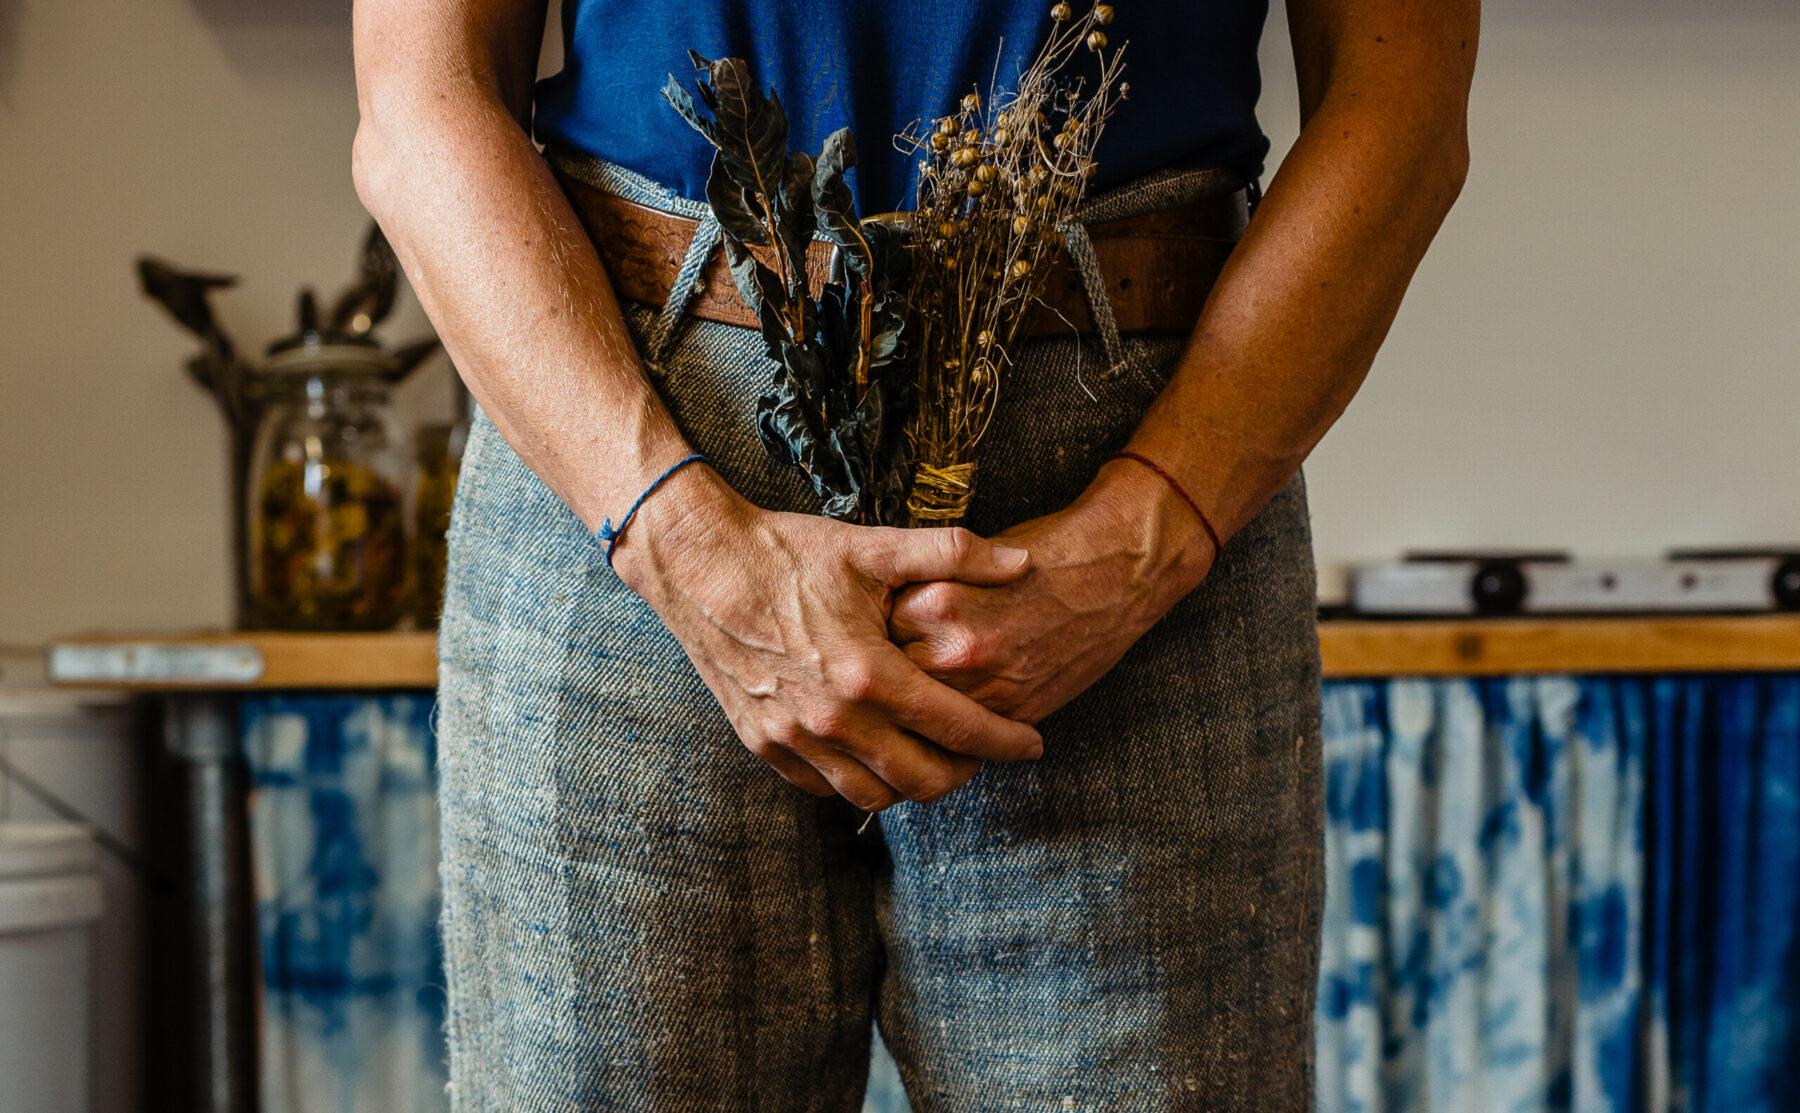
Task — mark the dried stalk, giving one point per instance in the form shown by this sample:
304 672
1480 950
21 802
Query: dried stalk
998 182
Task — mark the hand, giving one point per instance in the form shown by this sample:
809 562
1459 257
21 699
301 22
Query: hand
785 617
1102 572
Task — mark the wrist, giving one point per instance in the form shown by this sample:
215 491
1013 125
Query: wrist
1138 509
683 527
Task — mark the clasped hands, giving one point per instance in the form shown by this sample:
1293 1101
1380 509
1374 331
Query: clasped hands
885 664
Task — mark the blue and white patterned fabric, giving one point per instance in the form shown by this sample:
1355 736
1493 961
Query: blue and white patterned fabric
1484 865
1543 894
344 842
1722 893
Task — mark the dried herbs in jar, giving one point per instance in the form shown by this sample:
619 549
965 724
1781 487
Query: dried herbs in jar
328 545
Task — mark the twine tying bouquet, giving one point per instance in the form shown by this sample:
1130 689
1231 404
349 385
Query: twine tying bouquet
885 384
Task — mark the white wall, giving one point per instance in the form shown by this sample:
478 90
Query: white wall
1600 353
215 133
1602 350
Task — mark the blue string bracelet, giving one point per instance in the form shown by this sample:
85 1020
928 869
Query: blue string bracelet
610 534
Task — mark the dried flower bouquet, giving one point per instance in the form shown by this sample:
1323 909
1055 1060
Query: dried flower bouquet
885 384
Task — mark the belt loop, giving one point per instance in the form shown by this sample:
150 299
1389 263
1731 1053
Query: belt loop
1087 264
687 284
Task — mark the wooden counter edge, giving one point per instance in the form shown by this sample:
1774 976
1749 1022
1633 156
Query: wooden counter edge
1348 648
1513 646
292 661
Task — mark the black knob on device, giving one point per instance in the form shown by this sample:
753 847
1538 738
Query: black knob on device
1785 584
1498 587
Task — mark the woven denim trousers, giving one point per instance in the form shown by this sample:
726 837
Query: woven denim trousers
639 915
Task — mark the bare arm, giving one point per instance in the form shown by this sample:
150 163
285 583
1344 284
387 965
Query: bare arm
1287 337
1307 298
783 615
499 261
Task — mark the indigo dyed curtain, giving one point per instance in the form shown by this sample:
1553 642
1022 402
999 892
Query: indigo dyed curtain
1543 894
344 847
1722 893
1484 865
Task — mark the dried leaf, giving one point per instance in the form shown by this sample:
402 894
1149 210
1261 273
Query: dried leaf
795 219
749 129
734 209
834 204
683 103
756 283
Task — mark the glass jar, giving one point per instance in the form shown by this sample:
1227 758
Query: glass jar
326 514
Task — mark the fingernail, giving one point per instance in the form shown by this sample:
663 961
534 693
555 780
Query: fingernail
1009 558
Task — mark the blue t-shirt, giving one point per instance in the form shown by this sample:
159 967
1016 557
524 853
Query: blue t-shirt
879 65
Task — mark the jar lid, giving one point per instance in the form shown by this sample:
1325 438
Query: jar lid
311 355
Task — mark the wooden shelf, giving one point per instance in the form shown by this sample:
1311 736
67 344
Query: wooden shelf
245 660
1493 647
1349 648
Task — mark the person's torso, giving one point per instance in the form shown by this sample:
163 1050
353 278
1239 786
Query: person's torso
878 66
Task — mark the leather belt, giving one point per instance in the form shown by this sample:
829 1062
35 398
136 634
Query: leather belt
1158 267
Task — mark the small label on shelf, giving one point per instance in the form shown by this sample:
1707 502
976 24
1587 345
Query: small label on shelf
149 662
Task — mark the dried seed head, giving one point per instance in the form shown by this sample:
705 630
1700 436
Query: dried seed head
1103 13
1038 174
981 374
986 172
971 137
948 125
1061 140
966 156
1124 88
977 187
984 339
948 229
1096 40
1001 135
1021 225
972 103
1089 168
1021 268
1060 12
940 142
1042 201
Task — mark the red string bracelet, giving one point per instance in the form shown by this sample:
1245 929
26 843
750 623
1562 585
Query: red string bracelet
1205 522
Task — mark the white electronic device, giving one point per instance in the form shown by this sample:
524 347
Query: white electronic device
1499 583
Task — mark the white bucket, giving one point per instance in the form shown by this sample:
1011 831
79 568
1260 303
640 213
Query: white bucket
49 898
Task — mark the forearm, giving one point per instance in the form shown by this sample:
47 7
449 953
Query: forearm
1298 314
507 275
